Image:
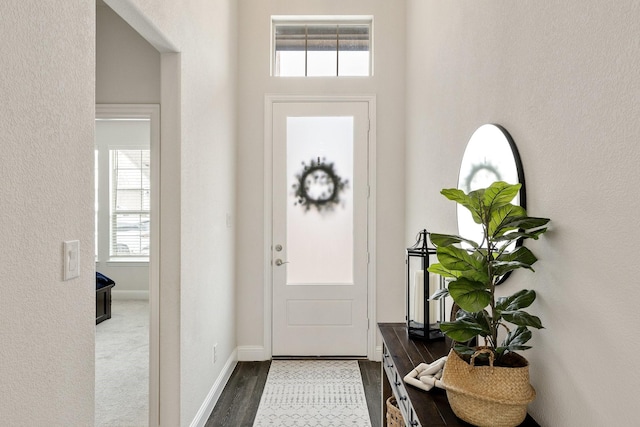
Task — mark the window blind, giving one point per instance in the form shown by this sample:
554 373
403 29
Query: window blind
131 202
322 48
322 37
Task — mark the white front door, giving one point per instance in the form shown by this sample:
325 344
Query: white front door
319 245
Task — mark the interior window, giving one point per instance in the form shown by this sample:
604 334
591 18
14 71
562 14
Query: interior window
321 48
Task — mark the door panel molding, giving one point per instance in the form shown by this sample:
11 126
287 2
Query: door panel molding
270 100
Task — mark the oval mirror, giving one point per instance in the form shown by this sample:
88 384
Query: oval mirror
491 155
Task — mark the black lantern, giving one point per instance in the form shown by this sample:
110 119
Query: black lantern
423 314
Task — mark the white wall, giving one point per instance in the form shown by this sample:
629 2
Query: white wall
199 300
46 170
254 83
562 77
127 66
47 120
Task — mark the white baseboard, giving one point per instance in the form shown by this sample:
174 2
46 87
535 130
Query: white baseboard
216 390
136 295
378 354
251 353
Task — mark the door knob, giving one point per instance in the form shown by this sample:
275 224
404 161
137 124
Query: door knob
279 262
278 248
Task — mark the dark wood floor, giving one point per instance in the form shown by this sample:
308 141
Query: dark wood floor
240 398
370 372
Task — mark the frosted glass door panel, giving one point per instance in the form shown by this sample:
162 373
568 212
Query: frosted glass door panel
320 205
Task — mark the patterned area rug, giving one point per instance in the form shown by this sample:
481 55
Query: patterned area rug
313 393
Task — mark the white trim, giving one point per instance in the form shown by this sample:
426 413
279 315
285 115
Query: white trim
316 19
124 262
371 233
252 353
378 354
268 222
216 390
152 112
143 25
128 111
120 295
270 99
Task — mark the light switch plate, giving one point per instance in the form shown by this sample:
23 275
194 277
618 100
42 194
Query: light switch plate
71 259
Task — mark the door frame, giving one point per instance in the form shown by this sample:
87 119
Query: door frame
152 112
269 101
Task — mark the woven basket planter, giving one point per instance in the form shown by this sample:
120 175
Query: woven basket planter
394 416
488 396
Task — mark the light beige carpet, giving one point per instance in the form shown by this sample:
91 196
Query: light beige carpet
122 366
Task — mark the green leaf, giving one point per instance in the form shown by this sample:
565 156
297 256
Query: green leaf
521 254
516 339
500 194
464 349
522 257
502 217
468 201
449 239
475 276
455 258
455 194
439 294
481 319
442 271
501 350
526 222
522 318
461 330
510 237
521 299
502 268
469 295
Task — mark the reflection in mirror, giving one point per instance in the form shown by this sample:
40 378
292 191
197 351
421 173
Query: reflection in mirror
490 156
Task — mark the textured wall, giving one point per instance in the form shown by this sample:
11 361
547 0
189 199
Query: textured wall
46 196
200 304
48 97
563 78
255 82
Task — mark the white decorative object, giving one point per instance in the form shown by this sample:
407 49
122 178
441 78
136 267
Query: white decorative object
417 311
426 376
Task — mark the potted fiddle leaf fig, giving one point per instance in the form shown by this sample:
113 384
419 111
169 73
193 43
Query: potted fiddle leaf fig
473 270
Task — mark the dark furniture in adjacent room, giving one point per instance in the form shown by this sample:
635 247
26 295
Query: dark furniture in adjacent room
103 297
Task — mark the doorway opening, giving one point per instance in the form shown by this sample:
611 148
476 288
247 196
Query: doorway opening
127 178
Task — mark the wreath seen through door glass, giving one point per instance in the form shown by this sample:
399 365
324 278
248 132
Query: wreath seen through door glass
318 185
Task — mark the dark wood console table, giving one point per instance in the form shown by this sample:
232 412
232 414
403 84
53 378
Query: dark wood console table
399 356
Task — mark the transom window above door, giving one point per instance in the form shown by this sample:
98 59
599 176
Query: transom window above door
321 46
